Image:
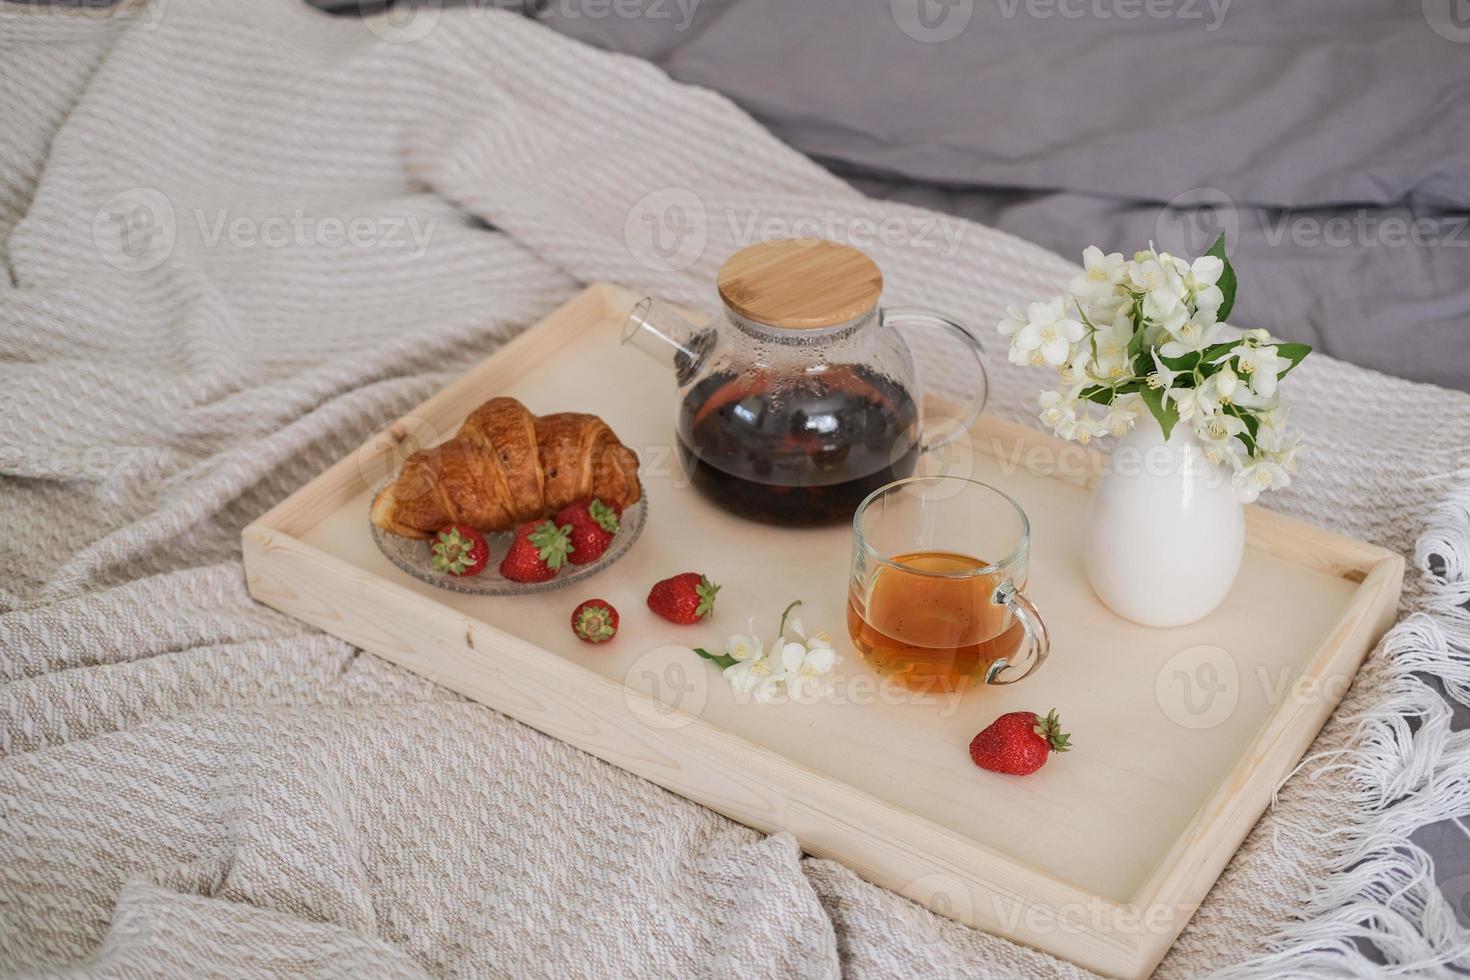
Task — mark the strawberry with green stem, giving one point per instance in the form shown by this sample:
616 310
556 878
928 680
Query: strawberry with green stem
595 621
594 524
537 553
683 599
1019 743
459 550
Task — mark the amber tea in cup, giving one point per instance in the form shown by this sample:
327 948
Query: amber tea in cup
935 599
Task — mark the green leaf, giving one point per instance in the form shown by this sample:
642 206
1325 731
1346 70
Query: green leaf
1227 282
1143 364
1252 426
721 660
1215 351
552 543
1105 394
1293 353
1163 410
605 516
1135 342
706 591
1186 363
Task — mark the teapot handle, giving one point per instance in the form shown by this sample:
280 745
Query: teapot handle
929 318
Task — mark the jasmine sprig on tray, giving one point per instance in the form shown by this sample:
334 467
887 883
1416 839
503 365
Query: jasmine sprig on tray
796 665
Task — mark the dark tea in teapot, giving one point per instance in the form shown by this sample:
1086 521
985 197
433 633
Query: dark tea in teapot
802 398
797 449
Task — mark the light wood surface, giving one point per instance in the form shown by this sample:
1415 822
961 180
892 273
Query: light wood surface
800 283
1099 858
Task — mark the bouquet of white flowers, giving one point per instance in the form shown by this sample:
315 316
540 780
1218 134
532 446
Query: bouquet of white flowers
1141 332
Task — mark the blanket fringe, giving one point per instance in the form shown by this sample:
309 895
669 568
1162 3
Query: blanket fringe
1382 910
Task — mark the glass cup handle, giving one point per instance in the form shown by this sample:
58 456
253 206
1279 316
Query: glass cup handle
929 318
1024 610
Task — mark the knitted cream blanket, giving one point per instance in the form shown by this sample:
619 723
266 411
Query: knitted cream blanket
239 237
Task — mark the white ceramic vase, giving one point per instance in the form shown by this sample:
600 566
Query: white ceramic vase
1166 533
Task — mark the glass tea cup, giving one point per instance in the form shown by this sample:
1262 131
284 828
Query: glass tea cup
936 594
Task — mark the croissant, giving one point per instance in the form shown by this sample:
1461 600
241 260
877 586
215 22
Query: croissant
505 467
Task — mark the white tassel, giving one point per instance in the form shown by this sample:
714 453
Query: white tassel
1411 770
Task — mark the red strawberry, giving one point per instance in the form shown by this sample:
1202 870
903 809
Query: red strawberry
684 599
595 621
1018 743
593 524
459 550
539 549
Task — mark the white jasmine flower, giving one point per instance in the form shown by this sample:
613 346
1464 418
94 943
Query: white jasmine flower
1111 361
1286 455
1082 427
1262 367
1122 413
1217 391
1164 306
1187 402
1049 334
1104 308
1058 406
806 666
1224 382
1077 371
1192 334
1148 275
760 677
821 638
1162 376
1217 434
1100 273
1271 432
1200 278
1014 320
1257 476
1272 438
1166 324
744 646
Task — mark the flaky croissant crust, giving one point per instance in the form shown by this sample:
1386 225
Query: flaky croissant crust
505 467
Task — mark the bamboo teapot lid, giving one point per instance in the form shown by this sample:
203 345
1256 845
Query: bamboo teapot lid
800 283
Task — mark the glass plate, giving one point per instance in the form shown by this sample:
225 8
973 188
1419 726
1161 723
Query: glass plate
412 556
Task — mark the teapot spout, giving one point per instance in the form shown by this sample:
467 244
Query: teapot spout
668 338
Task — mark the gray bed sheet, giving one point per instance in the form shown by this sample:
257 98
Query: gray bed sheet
1330 139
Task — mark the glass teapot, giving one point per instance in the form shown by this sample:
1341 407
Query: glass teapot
802 398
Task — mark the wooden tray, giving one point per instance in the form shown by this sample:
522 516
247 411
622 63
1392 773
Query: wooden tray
1181 735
